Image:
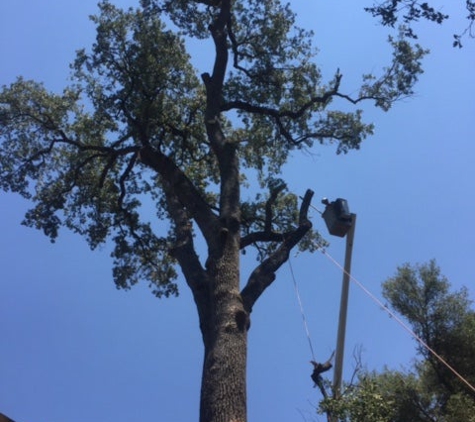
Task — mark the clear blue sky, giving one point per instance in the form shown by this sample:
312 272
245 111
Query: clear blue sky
73 348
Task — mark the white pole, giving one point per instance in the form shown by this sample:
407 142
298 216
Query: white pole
340 343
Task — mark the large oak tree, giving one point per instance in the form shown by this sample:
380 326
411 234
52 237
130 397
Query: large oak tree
138 130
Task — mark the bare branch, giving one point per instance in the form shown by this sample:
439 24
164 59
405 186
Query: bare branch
263 276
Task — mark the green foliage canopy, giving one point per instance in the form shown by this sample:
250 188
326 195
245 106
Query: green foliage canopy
445 321
81 155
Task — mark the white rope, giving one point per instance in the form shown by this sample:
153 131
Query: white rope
302 312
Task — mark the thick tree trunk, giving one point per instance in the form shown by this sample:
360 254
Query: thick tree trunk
223 388
224 325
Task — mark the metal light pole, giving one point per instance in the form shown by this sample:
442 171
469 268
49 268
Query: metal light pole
345 289
341 222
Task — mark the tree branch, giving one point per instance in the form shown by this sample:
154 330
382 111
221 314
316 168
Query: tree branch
225 151
183 249
263 276
183 188
269 204
209 2
124 176
218 32
267 235
272 112
279 115
263 236
214 83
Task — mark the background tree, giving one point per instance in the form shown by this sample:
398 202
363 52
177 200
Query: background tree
445 321
408 12
138 127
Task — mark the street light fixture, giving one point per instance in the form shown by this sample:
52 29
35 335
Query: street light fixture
340 222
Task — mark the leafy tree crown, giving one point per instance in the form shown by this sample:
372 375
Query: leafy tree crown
82 156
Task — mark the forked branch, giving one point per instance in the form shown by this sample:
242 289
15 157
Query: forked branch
263 276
